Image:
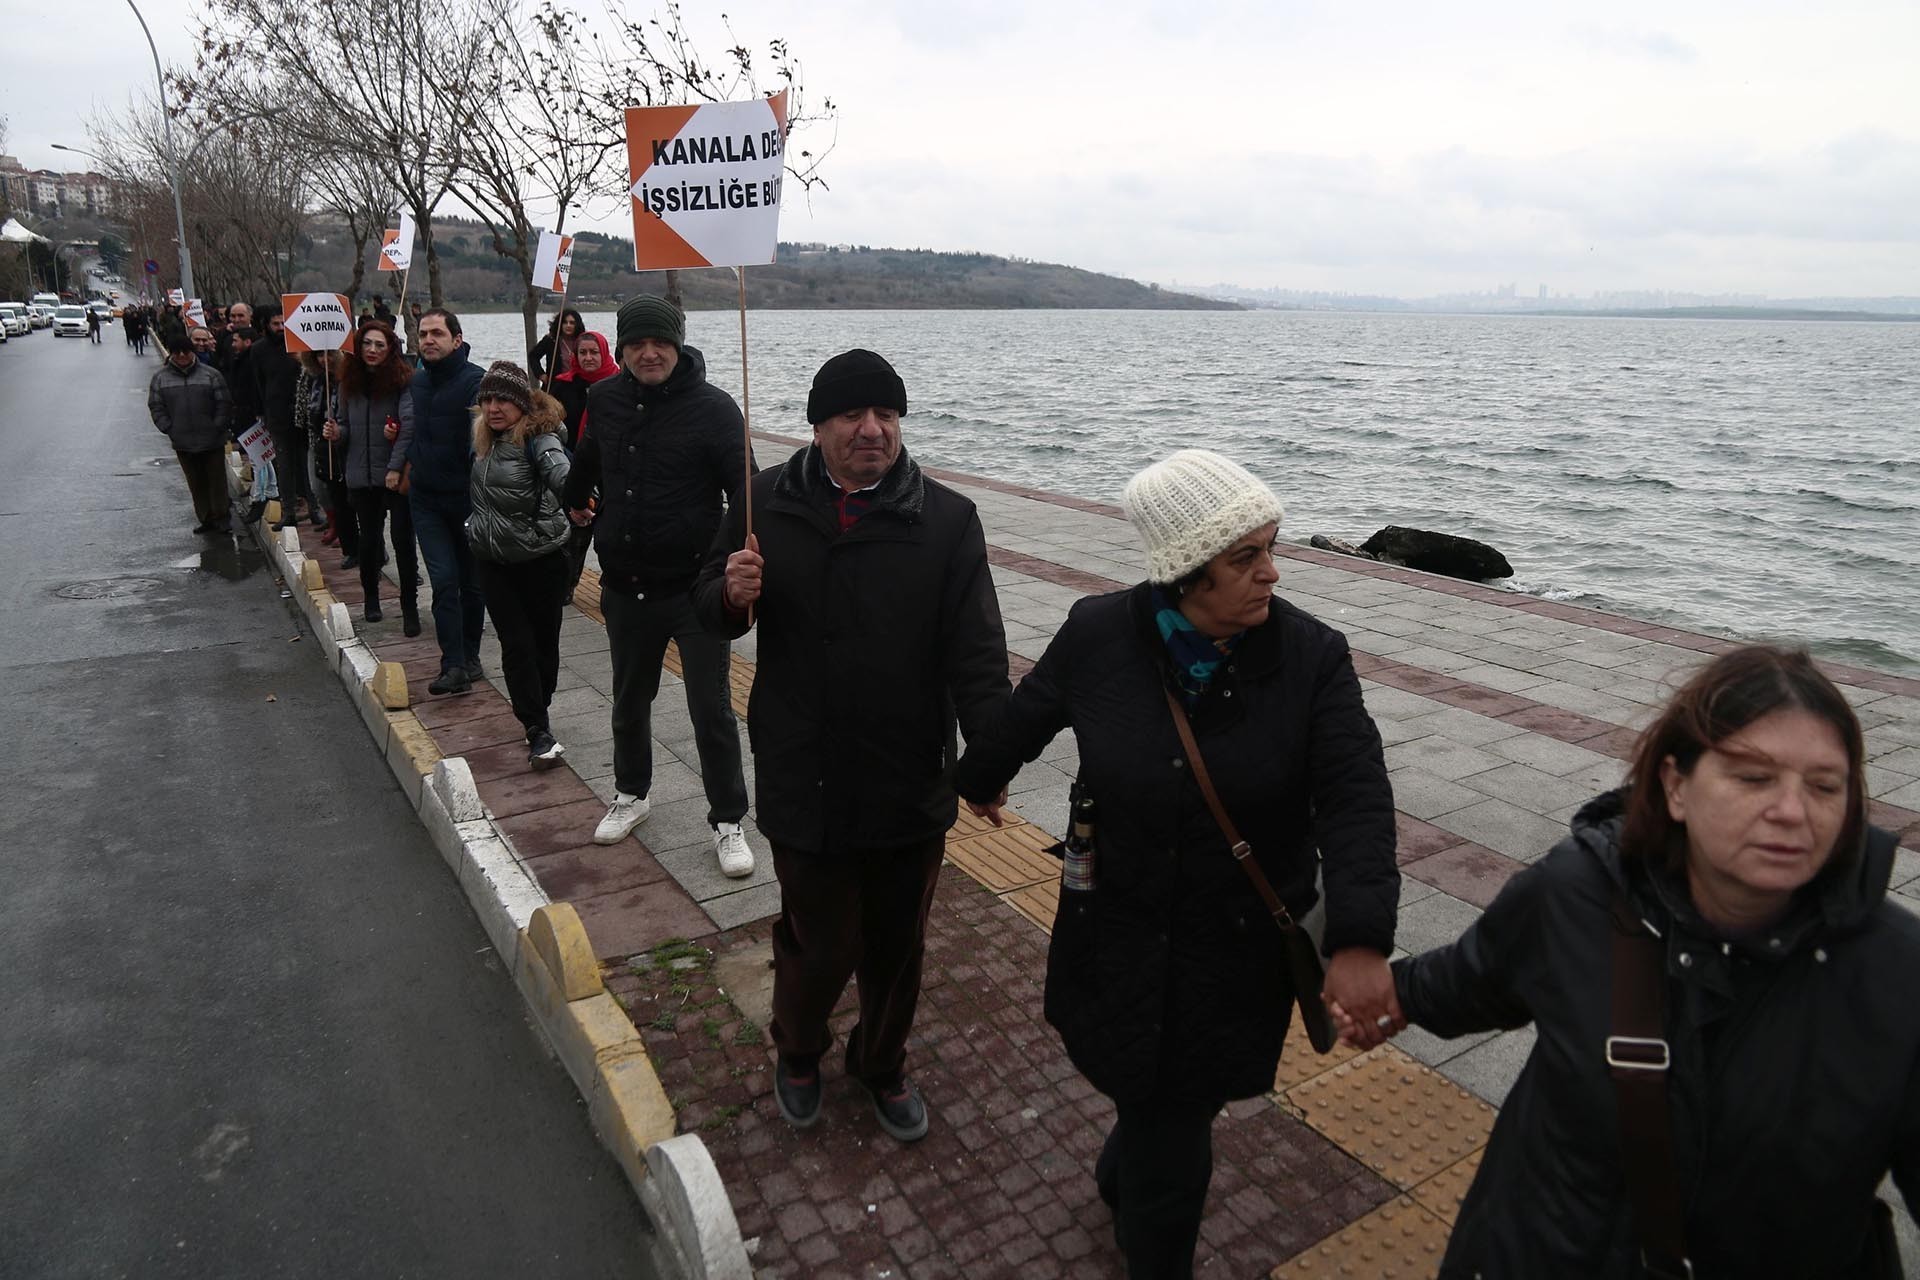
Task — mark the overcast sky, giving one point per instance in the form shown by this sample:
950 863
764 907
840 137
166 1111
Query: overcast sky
1757 146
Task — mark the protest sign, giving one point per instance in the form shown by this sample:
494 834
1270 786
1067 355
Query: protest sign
553 262
195 313
178 297
396 246
317 321
257 443
706 183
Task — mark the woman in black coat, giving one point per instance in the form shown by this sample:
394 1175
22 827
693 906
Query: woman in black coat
1167 979
1777 990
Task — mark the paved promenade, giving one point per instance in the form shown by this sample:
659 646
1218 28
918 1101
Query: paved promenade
1501 713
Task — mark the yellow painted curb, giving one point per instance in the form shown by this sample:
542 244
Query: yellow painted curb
406 733
272 514
390 685
561 942
310 577
630 1109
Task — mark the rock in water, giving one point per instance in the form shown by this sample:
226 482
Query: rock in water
1341 545
1446 553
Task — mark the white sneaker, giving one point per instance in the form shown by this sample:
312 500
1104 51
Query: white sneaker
626 813
730 844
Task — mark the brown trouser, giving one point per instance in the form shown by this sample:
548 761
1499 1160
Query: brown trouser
851 915
206 473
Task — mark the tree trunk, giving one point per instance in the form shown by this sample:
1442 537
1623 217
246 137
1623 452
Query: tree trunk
360 237
673 290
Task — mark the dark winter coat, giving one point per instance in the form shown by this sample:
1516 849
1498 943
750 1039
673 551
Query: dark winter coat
274 374
367 454
515 493
441 450
1168 978
871 642
309 416
661 458
192 406
237 366
1795 1078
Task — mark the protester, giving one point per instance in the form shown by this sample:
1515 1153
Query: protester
381 311
372 427
93 326
246 413
275 377
1726 1052
665 446
319 369
133 326
239 316
190 404
1168 978
877 624
203 344
519 532
559 346
593 363
440 457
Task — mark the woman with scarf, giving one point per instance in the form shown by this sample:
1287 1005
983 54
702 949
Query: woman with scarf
594 362
558 349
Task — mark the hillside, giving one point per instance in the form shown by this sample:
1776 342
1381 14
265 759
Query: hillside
804 277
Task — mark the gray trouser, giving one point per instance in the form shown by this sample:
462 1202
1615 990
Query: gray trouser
638 628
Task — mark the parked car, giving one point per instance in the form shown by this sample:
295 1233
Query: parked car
14 316
102 309
41 314
70 321
47 299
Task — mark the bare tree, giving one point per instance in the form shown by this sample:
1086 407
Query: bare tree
354 188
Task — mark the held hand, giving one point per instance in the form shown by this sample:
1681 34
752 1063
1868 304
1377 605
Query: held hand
332 430
582 517
1359 993
990 810
393 481
743 576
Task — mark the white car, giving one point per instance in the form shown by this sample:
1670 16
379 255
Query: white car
102 309
41 314
14 316
70 321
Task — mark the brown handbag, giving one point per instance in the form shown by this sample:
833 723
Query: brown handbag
1305 971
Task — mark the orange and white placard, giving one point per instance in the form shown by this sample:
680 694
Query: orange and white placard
195 313
396 246
553 262
178 297
317 321
706 183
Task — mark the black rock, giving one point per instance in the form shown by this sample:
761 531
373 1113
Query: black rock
1446 553
1341 545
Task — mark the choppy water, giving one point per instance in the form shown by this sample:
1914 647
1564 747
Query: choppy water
1758 479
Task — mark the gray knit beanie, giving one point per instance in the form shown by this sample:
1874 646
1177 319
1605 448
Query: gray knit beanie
1191 507
646 316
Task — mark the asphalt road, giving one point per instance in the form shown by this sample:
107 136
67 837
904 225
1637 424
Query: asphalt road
248 1025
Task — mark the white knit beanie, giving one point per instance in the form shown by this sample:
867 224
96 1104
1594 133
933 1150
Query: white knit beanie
1191 507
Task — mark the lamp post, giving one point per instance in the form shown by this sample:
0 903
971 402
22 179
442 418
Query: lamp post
173 158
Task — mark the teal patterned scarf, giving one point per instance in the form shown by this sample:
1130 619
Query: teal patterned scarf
1195 657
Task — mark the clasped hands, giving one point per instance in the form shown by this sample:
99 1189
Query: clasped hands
1359 993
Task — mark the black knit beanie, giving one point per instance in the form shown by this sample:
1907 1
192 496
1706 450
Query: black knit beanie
507 381
646 316
854 379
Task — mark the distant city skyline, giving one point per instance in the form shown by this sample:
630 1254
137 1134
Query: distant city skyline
1717 147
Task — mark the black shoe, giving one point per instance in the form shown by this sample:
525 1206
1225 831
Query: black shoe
475 672
283 522
902 1114
349 561
798 1096
223 525
373 613
255 511
409 616
203 527
542 751
452 680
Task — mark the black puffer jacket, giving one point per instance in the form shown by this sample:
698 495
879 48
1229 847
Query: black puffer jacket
1795 1083
516 492
870 642
661 457
441 448
1167 979
274 374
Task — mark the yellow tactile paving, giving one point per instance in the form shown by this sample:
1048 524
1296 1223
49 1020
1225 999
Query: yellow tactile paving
1402 1119
1036 902
586 596
967 825
1442 1193
1006 859
1299 1063
1398 1241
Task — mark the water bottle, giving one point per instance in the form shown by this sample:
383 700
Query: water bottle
1076 870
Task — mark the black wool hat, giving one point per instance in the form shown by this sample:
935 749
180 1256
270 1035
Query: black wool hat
646 316
505 380
856 379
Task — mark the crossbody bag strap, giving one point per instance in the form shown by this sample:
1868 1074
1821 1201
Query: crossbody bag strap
1242 851
1638 1060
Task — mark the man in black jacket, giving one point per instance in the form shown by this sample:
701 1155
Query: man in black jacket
878 623
664 445
440 459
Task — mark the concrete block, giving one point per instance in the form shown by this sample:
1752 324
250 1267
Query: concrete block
357 664
372 715
440 828
410 748
684 1195
271 516
340 622
504 896
560 940
630 1110
390 684
310 577
453 783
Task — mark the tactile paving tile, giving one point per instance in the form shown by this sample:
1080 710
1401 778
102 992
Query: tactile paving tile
586 596
1442 1193
1008 858
1402 1119
1299 1063
967 825
1037 902
1398 1241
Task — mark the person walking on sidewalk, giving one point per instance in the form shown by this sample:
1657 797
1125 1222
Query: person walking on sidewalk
878 623
440 458
1168 976
519 534
191 405
276 374
593 363
372 427
665 446
318 370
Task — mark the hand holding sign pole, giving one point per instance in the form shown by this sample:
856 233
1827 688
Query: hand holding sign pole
319 322
706 193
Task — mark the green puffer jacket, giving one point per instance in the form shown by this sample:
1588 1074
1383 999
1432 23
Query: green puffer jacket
517 514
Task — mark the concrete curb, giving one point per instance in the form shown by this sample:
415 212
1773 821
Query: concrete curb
695 1233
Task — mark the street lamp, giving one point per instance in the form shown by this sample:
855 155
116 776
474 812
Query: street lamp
173 158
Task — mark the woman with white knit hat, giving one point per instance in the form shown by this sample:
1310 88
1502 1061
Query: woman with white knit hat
1170 976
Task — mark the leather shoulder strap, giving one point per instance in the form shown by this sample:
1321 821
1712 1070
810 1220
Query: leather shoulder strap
1242 851
1638 1059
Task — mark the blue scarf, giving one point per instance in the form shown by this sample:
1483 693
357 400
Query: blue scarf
1196 658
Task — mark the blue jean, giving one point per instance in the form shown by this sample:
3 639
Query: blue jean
459 610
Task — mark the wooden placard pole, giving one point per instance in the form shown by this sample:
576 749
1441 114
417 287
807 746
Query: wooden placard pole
559 318
746 419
